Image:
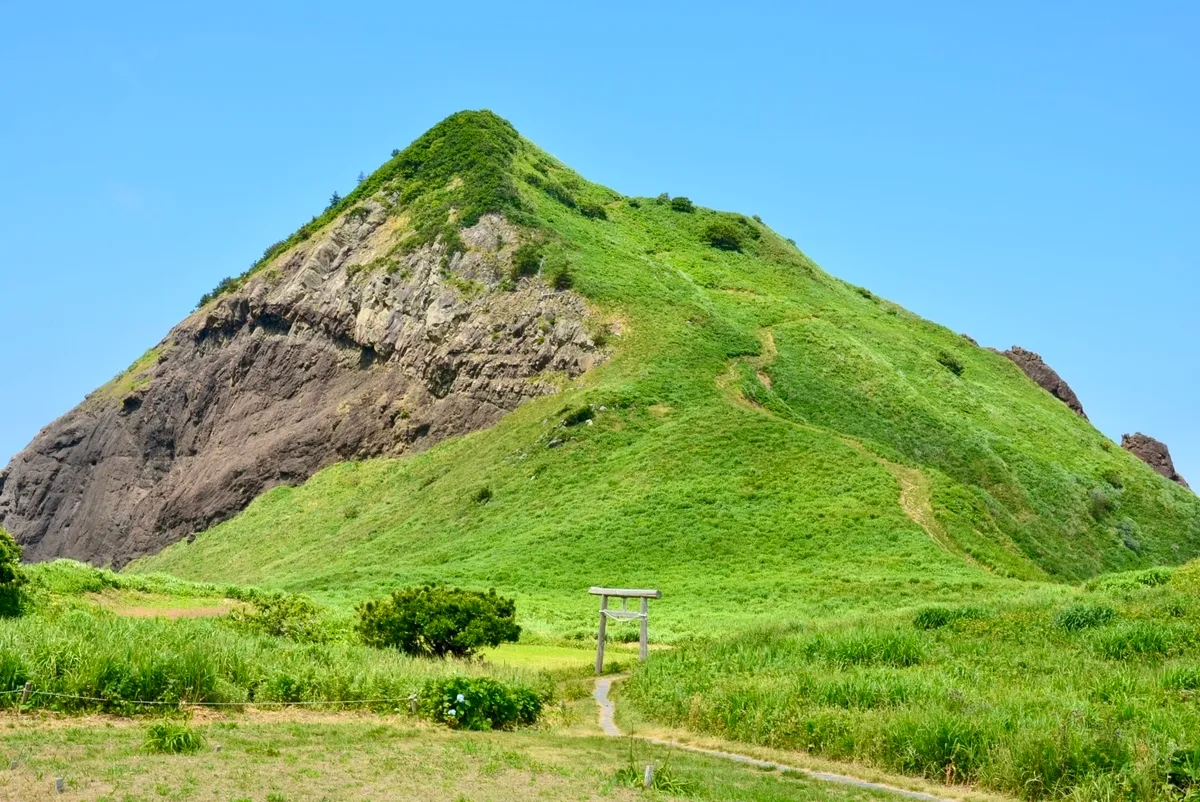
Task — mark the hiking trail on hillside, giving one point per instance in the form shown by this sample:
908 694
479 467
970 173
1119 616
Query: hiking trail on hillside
916 497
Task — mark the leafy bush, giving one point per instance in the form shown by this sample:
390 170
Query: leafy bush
482 496
226 285
172 738
938 617
951 363
561 278
435 621
479 703
12 578
288 616
527 260
723 234
1084 616
595 211
1099 503
581 415
682 204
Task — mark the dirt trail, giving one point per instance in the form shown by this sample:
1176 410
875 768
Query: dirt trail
607 710
916 491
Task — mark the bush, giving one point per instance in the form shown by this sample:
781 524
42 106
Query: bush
723 234
527 260
285 616
482 496
562 278
1084 616
951 363
1099 504
172 738
593 210
479 703
434 621
682 204
12 578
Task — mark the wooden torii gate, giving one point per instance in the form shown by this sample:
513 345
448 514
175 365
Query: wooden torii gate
624 594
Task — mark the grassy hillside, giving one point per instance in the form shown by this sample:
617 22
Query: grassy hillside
764 441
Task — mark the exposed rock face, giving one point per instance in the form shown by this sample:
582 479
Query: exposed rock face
1154 453
1045 377
339 350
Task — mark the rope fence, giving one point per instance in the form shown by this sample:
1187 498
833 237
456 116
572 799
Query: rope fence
28 693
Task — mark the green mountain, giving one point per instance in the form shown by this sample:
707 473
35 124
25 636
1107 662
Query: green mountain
756 438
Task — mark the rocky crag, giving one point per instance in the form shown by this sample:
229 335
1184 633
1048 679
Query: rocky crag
1045 377
344 347
1154 453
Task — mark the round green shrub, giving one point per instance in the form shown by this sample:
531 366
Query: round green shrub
435 621
723 234
479 703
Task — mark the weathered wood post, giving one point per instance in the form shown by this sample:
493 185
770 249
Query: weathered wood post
644 649
624 594
603 631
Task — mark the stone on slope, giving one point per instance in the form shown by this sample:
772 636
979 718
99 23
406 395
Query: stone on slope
1154 453
1045 377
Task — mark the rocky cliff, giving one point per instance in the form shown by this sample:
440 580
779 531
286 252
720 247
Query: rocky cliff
344 346
1045 376
1154 453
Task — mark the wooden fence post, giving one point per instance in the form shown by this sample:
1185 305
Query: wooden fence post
643 652
600 639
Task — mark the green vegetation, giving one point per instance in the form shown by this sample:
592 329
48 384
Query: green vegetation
173 738
774 444
274 649
435 621
1091 700
323 758
12 578
480 703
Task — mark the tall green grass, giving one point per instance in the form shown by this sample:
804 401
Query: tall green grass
1012 700
79 659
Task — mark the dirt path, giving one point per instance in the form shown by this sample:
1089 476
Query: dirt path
916 491
607 710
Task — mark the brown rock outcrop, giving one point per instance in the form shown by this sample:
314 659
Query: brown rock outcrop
1154 453
340 349
1045 377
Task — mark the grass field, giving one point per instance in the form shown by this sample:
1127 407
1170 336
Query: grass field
319 757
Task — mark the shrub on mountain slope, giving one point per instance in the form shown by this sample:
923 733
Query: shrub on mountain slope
11 577
434 621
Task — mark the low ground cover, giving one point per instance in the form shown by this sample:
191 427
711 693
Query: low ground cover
318 757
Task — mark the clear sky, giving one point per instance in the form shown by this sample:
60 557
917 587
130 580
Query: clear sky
1026 172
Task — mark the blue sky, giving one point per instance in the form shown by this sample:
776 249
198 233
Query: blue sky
1023 172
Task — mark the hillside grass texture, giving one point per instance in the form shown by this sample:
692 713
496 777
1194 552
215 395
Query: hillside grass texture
766 442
